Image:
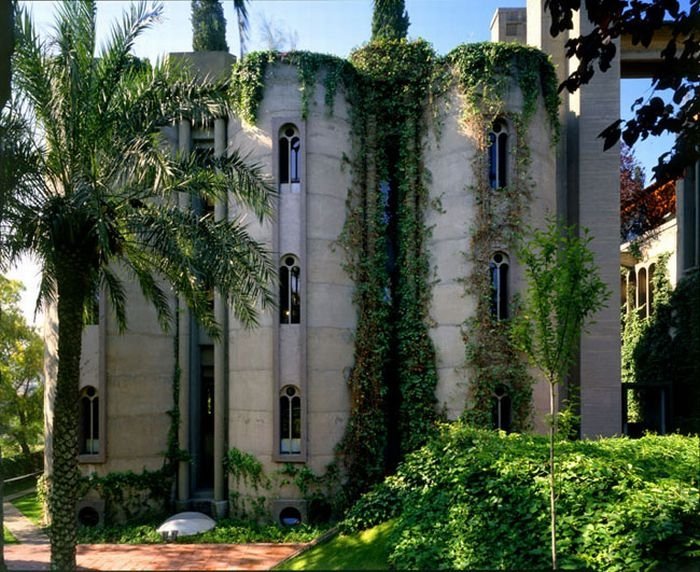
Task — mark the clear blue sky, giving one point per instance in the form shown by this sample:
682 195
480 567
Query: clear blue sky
328 26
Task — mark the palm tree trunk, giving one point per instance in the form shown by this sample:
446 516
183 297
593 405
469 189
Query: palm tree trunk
3 566
63 489
552 496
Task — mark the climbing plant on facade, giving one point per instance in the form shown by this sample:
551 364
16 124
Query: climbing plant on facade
396 79
486 73
390 85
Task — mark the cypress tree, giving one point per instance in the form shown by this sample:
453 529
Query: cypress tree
208 26
389 20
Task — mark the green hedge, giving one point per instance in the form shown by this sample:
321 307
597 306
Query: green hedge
479 499
20 465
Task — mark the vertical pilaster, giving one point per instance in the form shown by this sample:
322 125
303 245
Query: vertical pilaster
595 189
183 489
538 24
588 194
220 397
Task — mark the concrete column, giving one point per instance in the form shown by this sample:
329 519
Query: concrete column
588 187
538 24
595 188
183 481
220 397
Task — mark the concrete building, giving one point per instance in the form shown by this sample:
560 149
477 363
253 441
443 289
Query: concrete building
279 392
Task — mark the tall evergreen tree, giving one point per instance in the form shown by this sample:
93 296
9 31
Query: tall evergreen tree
208 26
389 20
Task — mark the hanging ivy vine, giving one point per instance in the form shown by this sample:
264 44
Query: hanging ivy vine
248 79
393 378
485 74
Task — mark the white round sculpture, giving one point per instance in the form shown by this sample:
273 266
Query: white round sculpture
186 524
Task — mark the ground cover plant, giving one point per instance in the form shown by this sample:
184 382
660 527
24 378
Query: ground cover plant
474 499
8 537
227 531
363 550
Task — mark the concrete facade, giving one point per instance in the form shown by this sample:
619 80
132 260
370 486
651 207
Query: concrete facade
239 387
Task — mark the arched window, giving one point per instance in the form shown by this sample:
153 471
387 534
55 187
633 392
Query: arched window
501 408
498 154
289 159
290 290
290 421
498 271
89 421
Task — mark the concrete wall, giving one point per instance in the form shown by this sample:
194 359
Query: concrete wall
139 365
588 195
449 158
328 316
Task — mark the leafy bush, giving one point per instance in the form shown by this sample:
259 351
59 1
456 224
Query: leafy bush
478 499
227 531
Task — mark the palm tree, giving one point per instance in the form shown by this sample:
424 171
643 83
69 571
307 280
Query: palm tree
92 194
241 9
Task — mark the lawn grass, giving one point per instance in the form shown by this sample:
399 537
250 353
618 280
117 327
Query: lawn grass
366 550
8 537
30 507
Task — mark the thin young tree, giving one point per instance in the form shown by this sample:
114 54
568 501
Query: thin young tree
564 290
92 194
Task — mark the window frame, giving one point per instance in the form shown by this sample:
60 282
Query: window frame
498 138
289 156
294 433
289 290
499 277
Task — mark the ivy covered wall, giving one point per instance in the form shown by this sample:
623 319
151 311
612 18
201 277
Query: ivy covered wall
399 95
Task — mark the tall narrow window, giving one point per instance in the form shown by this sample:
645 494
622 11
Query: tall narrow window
89 421
290 421
498 270
498 154
642 293
290 288
501 410
632 289
652 271
289 159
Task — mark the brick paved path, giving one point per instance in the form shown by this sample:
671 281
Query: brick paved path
157 556
34 552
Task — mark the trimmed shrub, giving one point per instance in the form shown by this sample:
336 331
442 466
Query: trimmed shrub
478 499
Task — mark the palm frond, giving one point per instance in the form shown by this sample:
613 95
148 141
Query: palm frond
142 266
116 294
115 57
197 254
